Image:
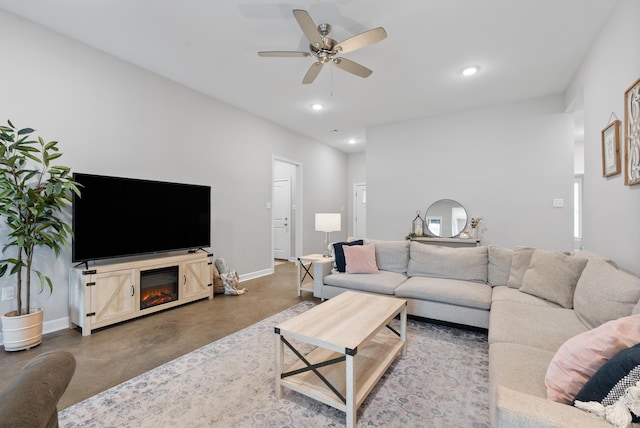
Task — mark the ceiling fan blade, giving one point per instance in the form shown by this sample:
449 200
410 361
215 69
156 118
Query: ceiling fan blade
361 40
283 54
312 73
308 27
352 67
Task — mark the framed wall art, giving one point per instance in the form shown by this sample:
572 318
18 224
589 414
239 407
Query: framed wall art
611 149
632 134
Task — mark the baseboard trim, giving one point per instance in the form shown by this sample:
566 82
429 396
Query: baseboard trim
55 325
257 274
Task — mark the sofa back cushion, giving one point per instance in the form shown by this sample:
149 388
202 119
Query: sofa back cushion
468 264
392 256
499 265
553 276
604 293
519 265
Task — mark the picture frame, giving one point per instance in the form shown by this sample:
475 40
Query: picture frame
632 134
611 149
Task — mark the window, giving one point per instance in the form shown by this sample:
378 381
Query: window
577 209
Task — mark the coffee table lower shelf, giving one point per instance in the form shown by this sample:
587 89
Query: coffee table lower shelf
369 364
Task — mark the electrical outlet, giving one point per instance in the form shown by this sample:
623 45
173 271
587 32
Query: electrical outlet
7 293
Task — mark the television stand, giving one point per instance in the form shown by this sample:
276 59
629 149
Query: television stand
110 293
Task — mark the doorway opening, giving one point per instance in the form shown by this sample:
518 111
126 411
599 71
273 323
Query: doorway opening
360 210
286 210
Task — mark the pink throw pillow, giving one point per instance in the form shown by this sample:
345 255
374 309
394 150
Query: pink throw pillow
581 356
360 259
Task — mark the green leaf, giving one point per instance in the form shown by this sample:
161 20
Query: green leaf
25 131
53 156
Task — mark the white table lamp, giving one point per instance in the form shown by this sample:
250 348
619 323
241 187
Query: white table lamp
327 223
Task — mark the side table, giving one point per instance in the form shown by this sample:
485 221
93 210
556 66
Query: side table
306 266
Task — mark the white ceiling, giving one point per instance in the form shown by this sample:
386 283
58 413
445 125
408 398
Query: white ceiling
524 48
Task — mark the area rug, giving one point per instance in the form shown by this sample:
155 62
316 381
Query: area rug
441 382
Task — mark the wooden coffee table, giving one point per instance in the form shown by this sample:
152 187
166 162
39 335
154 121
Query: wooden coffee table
352 349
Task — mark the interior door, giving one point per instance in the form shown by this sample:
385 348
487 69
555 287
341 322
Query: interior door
360 211
281 215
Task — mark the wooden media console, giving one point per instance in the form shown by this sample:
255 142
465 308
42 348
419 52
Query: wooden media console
109 293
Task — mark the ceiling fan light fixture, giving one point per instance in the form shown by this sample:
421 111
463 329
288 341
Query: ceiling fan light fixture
470 71
324 48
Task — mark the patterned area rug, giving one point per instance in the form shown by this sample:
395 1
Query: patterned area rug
441 382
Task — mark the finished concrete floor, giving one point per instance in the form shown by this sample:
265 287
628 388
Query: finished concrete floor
115 354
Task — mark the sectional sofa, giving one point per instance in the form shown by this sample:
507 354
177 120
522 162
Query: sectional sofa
534 303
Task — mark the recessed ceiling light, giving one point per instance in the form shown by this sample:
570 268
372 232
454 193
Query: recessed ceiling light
352 141
469 71
317 106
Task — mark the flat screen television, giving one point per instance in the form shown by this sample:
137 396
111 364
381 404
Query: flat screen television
117 217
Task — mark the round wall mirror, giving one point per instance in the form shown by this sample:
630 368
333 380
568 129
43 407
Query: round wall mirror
446 218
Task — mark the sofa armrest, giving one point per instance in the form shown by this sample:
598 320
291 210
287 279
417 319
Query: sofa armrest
30 399
518 409
321 268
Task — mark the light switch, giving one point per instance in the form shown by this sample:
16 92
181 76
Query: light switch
558 203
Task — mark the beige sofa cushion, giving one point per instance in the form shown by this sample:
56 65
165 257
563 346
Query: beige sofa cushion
553 276
590 256
519 265
539 326
467 264
504 293
499 265
382 282
392 256
452 291
604 293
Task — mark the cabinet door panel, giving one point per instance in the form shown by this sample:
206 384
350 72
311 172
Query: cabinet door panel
197 277
113 297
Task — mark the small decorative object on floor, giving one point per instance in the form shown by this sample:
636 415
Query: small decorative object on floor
230 278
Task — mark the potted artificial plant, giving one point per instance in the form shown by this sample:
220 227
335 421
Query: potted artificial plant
33 193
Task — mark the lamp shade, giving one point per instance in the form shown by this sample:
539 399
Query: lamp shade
328 222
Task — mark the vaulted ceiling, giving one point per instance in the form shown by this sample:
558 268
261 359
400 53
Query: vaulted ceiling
523 48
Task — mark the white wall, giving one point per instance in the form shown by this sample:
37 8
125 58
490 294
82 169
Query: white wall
114 118
610 221
506 163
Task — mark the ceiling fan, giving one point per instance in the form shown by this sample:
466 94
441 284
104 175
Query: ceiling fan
325 49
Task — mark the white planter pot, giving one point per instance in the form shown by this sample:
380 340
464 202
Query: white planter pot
22 332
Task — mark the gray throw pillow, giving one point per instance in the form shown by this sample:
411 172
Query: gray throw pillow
519 265
499 265
604 293
553 276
